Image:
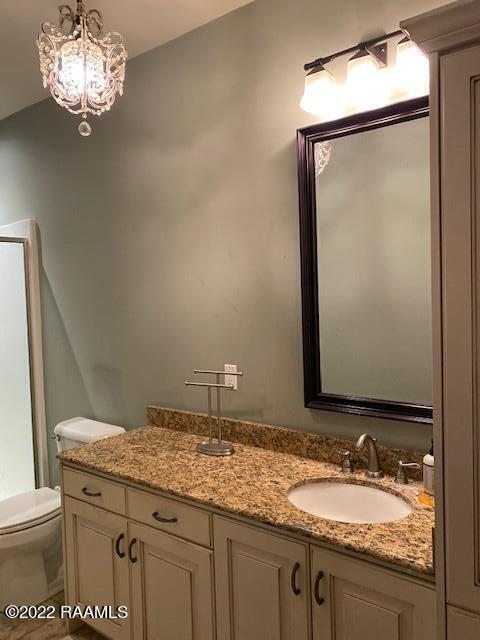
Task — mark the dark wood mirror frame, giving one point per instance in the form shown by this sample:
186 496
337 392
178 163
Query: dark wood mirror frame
306 139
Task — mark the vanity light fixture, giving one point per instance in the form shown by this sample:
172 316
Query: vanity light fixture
370 83
83 66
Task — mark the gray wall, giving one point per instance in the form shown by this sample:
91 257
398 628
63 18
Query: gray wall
170 237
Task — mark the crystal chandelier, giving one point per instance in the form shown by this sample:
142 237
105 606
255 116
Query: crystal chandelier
83 66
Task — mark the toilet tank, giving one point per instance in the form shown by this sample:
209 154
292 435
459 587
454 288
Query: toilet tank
77 431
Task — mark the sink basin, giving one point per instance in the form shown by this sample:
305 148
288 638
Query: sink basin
345 502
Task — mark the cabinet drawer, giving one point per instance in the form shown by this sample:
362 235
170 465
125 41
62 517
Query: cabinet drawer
170 516
89 488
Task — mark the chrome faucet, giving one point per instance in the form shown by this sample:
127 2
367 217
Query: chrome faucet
373 466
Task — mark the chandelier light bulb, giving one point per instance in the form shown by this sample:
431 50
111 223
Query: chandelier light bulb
322 96
411 69
365 84
81 69
83 66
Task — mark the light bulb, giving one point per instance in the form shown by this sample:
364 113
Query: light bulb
81 68
365 82
411 69
322 96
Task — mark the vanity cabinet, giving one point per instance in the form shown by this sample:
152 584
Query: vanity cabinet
261 584
186 573
165 581
356 601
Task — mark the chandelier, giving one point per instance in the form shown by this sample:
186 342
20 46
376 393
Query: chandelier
83 66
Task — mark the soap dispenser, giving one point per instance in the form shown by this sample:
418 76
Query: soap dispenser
428 472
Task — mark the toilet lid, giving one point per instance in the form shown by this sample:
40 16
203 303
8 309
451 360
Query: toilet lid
28 509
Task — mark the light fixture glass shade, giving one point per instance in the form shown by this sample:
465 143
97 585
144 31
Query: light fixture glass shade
322 96
411 69
83 66
365 82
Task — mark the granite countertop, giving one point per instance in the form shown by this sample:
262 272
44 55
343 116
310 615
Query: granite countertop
253 483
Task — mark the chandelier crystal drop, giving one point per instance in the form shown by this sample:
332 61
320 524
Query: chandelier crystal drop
83 66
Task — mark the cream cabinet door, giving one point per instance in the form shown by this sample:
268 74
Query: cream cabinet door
462 625
96 563
261 584
172 587
460 153
356 601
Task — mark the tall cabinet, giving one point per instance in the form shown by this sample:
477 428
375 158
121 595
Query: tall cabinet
451 37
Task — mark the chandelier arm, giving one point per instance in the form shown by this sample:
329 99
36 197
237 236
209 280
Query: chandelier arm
66 15
95 20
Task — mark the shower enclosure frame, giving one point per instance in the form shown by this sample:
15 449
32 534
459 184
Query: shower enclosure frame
26 232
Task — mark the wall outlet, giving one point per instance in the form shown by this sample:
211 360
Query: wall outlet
231 380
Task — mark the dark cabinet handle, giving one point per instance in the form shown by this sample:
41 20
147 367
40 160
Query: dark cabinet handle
130 547
117 546
88 493
316 589
293 579
159 518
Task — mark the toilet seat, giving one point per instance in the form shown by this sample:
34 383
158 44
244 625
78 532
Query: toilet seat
28 509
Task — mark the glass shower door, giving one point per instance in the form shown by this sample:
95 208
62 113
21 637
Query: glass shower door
17 463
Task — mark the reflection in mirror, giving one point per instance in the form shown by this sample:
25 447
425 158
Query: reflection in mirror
365 251
373 252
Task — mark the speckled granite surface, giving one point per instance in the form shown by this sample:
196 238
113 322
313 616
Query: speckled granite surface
299 443
254 483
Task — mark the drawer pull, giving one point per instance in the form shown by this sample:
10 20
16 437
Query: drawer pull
159 518
130 548
117 546
293 579
316 589
88 493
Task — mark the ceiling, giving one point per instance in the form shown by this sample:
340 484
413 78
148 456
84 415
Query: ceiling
145 24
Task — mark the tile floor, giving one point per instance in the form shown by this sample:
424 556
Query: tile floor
43 629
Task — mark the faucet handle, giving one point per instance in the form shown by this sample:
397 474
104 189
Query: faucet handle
347 466
401 477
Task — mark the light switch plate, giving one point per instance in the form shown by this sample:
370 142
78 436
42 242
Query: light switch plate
231 380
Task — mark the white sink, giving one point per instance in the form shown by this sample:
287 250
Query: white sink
348 502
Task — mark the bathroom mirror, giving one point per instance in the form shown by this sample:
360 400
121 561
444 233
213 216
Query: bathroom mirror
365 258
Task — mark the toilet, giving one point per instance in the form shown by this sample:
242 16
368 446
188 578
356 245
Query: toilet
31 563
